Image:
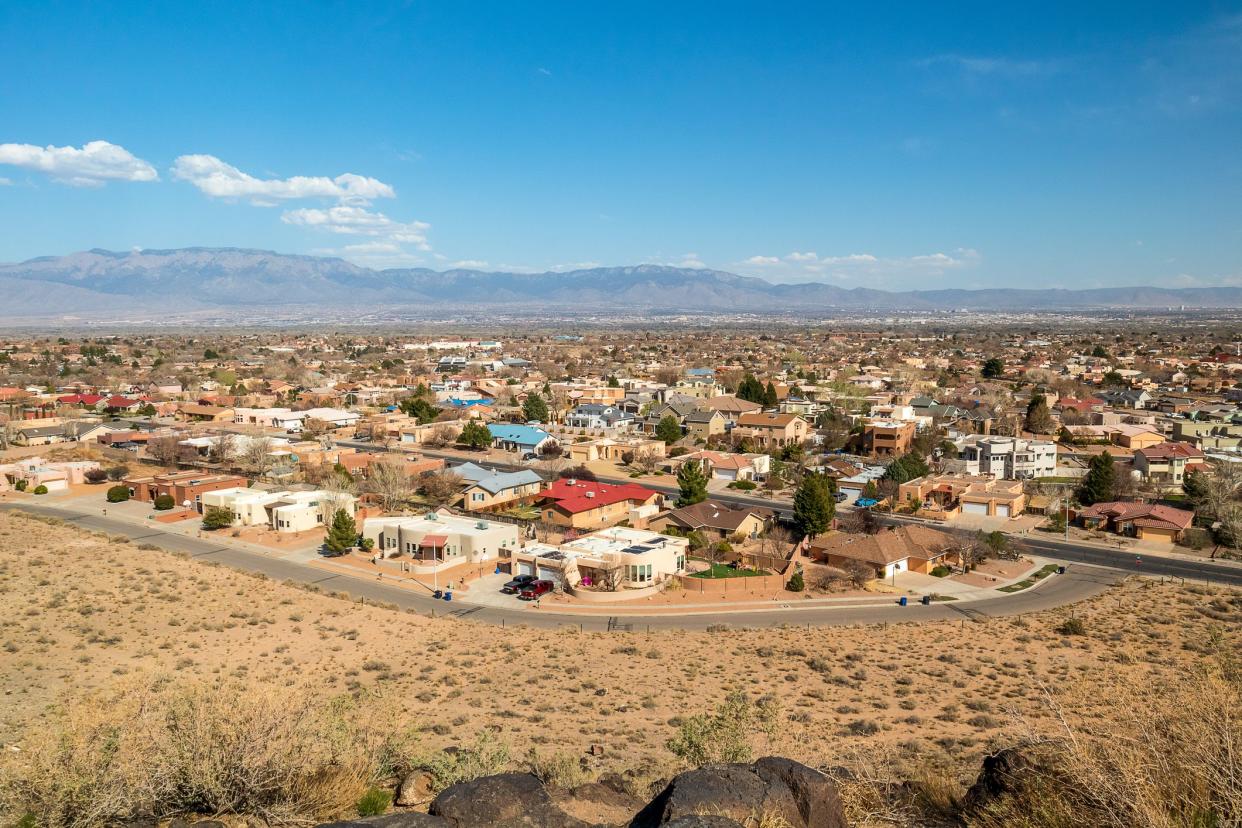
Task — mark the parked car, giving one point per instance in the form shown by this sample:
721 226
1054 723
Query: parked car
865 502
528 456
534 589
515 586
840 497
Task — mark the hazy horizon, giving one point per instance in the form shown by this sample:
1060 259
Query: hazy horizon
1067 147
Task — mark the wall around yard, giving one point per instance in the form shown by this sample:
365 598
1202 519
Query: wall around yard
749 585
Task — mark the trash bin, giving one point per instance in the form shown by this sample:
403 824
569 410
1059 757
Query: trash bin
439 593
1060 570
448 596
902 600
926 600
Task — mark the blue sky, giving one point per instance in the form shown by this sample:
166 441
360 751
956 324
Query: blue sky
1059 144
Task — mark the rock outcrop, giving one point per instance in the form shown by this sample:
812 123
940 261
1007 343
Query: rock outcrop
716 796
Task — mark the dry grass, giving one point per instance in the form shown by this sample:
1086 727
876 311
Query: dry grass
80 615
162 748
1173 761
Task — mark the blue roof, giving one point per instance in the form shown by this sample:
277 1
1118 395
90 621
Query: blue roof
458 403
522 435
494 481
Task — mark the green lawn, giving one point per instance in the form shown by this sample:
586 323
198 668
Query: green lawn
1042 573
723 571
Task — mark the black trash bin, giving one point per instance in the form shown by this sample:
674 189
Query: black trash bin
926 600
1060 570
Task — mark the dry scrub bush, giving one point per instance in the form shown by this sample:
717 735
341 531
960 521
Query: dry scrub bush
161 748
727 735
557 770
488 755
1172 758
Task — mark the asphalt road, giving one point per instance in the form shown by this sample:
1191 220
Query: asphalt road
1080 581
1126 560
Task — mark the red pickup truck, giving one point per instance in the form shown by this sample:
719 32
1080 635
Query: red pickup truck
534 589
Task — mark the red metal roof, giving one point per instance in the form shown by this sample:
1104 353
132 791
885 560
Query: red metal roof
576 496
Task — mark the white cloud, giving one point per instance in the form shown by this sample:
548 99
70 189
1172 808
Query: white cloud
352 220
994 66
217 179
469 264
95 164
6 182
810 266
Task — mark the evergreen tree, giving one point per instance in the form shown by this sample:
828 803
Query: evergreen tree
420 408
692 482
217 518
668 429
750 389
814 506
993 368
797 582
342 534
769 395
906 468
475 435
1197 487
1038 416
613 382
1100 482
535 409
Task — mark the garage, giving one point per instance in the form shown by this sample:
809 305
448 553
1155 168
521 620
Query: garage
1002 510
525 568
549 574
974 508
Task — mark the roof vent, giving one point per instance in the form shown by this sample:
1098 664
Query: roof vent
431 516
590 494
482 524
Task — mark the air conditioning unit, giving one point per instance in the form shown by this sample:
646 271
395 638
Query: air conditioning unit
482 524
590 494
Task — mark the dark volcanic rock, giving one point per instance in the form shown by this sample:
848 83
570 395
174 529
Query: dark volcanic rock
772 786
517 799
403 820
1005 773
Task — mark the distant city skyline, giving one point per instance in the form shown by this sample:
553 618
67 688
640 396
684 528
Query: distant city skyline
1057 145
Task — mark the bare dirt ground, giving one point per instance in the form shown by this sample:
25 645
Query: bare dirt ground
79 611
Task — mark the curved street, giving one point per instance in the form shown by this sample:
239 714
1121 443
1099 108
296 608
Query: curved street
1082 580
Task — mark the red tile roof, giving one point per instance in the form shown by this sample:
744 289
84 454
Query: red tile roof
1141 514
1163 451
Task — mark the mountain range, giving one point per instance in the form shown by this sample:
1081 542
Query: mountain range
199 279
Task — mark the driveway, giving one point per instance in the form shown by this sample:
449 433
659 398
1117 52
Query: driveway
486 592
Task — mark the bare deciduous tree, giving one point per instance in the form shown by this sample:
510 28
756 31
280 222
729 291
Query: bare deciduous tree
645 460
440 487
390 483
224 449
257 454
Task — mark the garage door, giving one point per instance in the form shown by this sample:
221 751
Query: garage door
974 508
546 574
526 568
1002 510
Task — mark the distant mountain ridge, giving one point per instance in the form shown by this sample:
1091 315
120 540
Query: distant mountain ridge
201 278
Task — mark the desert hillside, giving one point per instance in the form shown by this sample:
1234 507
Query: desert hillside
85 613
